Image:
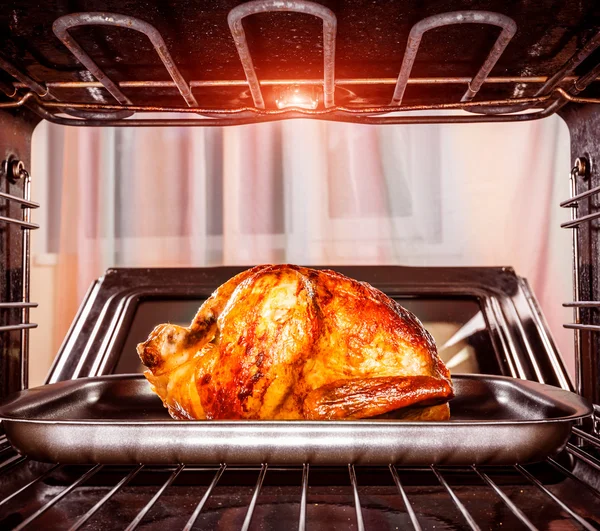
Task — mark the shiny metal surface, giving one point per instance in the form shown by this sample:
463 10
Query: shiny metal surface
463 510
509 503
117 419
556 499
246 115
190 523
342 82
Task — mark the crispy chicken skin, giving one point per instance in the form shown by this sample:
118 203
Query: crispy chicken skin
288 342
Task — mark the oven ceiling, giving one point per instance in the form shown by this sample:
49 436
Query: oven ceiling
371 41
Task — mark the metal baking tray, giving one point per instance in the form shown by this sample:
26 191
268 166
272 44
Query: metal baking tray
118 419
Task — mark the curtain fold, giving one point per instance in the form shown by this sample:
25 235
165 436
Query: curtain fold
313 192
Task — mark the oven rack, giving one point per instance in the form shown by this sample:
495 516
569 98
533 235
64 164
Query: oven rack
13 171
12 461
584 211
555 90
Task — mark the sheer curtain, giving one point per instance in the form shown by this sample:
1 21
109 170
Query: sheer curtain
307 192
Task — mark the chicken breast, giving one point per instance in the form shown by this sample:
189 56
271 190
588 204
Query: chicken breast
288 342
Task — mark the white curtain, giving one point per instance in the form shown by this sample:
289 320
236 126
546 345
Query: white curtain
309 192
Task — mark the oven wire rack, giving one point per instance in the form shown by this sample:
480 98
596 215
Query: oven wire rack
12 461
13 171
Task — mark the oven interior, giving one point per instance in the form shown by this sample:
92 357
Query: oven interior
225 63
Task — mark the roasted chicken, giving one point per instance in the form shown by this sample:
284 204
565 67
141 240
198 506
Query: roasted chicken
288 342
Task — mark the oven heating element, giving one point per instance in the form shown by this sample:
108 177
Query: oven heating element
551 96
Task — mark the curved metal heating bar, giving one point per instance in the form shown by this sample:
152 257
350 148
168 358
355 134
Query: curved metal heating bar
563 74
42 90
39 88
63 24
248 115
235 16
508 25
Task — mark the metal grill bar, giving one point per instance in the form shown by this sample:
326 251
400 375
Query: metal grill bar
21 326
302 518
43 91
409 509
237 14
39 88
572 476
508 25
259 482
570 202
359 518
265 114
8 305
360 524
32 482
586 436
446 80
105 498
580 326
340 114
308 112
507 501
569 67
575 276
582 83
582 304
21 200
57 498
25 285
585 457
140 516
467 516
557 500
190 523
12 462
64 23
6 445
5 449
23 224
579 221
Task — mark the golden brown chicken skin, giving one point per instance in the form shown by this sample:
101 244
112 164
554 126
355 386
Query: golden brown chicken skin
288 342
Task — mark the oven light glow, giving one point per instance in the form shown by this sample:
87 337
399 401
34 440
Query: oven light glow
295 96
